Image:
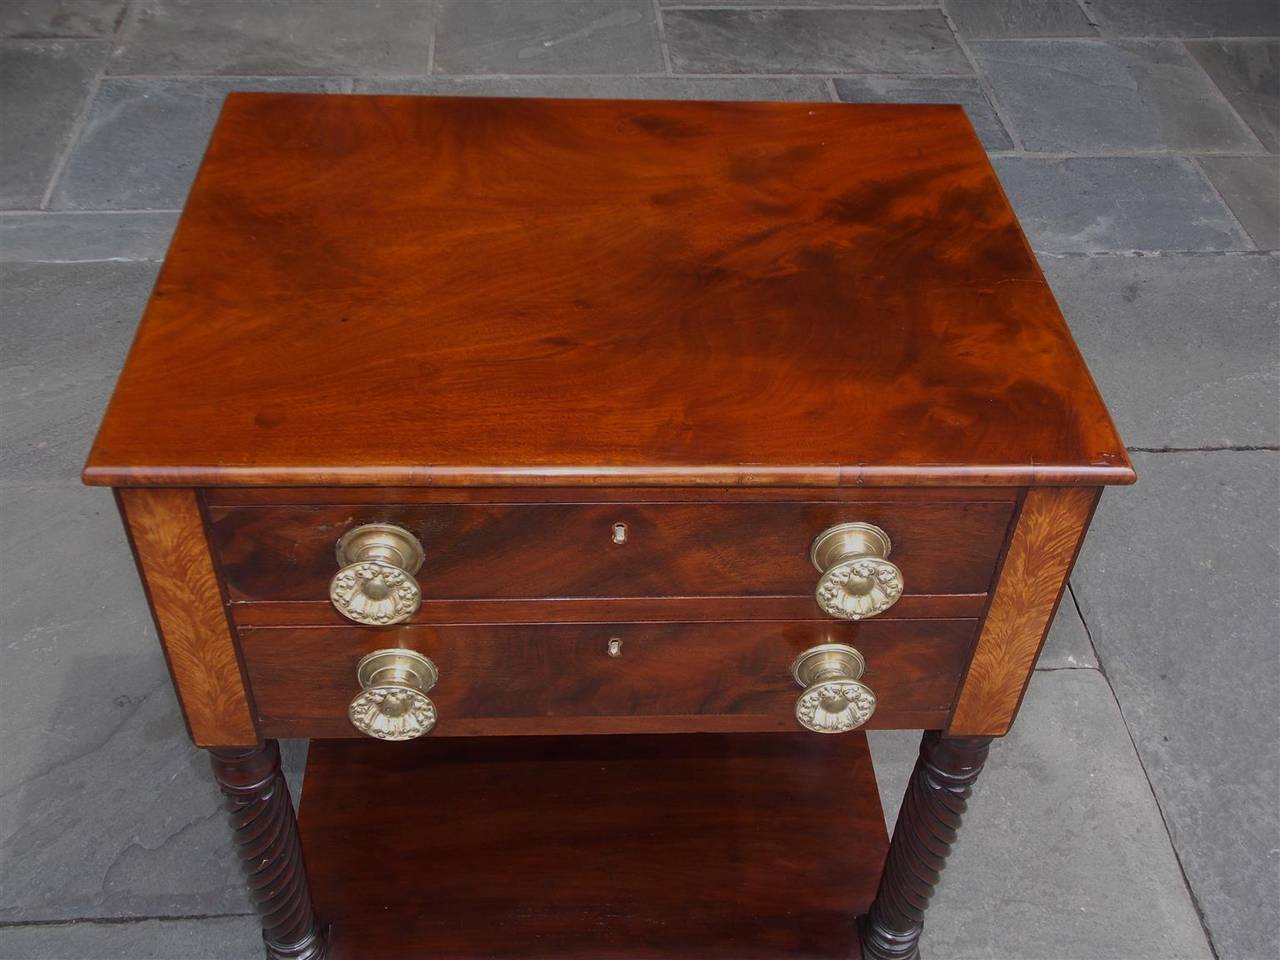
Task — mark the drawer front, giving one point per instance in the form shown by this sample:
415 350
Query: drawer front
561 678
512 551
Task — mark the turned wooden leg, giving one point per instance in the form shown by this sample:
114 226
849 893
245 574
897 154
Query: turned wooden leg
927 823
266 836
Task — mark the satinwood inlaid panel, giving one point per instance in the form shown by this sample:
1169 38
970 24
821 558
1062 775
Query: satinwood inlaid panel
550 550
166 531
1050 529
382 290
560 678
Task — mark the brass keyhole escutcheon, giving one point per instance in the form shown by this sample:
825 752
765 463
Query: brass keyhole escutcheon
857 581
393 702
835 700
375 585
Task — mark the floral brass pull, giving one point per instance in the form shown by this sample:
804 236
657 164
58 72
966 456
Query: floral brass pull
857 579
375 585
835 700
393 702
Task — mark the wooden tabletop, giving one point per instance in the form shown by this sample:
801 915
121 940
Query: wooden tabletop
377 290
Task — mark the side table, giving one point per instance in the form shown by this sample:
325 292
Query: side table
584 478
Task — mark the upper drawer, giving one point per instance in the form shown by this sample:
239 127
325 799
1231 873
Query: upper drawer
563 550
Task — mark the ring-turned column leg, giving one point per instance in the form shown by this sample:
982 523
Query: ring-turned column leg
927 823
266 836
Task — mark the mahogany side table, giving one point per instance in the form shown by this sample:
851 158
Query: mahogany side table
584 478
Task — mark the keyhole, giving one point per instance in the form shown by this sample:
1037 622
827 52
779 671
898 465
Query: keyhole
619 533
615 646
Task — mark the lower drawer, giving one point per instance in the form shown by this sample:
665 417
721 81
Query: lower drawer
562 678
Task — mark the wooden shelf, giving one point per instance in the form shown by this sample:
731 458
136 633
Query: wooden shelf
714 846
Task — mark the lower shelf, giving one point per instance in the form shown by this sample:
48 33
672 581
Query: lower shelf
714 846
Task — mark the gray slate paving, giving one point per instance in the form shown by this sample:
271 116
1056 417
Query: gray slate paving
1178 583
212 938
67 328
249 38
107 810
60 19
143 140
1100 204
1183 348
962 90
800 3
1063 855
547 37
1248 74
45 85
1091 96
812 41
1185 18
622 88
1068 646
1006 19
49 635
74 237
1251 187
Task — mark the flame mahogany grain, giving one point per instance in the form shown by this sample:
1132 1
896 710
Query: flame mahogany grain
549 551
557 678
393 290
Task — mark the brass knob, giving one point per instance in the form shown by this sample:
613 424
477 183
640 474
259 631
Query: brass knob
857 578
834 699
393 702
375 585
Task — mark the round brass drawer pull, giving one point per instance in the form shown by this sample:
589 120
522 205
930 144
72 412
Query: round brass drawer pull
393 702
857 578
834 699
375 585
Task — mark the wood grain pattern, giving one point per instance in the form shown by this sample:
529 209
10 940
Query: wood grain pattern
380 290
551 551
167 533
1043 550
558 678
595 848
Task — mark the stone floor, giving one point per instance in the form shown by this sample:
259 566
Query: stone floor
1132 814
